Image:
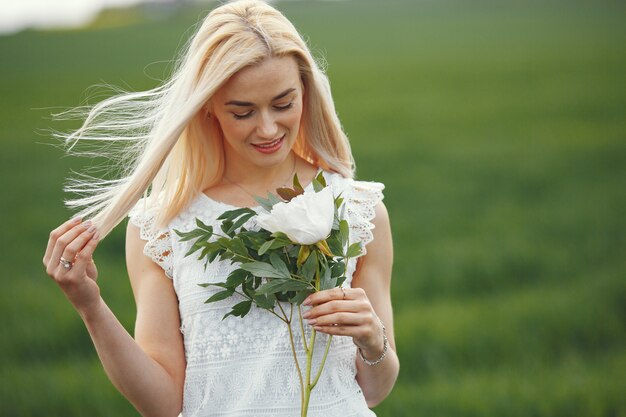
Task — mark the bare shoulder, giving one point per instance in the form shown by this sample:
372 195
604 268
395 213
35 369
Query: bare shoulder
381 218
381 247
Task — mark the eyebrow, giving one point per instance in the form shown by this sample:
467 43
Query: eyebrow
248 104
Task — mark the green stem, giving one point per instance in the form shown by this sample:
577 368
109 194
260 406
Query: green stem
309 387
304 343
319 371
309 361
295 355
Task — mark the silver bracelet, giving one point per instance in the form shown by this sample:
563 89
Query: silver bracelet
382 355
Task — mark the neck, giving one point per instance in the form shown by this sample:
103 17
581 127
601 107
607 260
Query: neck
259 180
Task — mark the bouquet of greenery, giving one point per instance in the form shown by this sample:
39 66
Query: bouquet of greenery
302 246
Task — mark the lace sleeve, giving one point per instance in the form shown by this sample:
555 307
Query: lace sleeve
158 242
362 199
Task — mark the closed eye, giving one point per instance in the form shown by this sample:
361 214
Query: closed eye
242 116
285 107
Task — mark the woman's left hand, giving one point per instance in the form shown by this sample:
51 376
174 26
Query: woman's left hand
346 312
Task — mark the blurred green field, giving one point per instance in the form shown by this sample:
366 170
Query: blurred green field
499 129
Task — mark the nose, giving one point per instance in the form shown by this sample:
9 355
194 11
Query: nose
267 127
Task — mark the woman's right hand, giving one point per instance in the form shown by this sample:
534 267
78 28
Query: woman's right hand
75 242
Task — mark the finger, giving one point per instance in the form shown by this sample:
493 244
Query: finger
56 234
339 319
78 243
325 296
350 331
85 256
63 241
334 306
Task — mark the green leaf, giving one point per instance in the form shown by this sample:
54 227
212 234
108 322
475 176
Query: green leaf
265 203
282 285
236 278
240 222
263 269
233 214
239 309
310 267
281 236
338 201
209 249
344 233
225 226
237 246
354 250
254 239
300 296
264 301
221 295
193 249
211 257
279 265
320 178
317 186
268 203
340 281
335 245
193 234
273 199
338 269
266 246
203 226
296 184
326 281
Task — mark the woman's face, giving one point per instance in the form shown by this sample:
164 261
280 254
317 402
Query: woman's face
259 111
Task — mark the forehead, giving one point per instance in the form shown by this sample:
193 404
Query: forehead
261 81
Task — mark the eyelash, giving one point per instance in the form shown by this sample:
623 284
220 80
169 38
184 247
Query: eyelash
279 108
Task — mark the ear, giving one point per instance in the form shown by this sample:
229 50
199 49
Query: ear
206 110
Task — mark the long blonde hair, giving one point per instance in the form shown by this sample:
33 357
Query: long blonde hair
170 150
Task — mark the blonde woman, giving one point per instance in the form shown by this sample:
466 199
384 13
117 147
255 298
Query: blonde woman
246 109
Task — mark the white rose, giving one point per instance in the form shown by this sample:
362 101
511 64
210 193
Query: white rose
306 219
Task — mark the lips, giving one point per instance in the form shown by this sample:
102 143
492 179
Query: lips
269 147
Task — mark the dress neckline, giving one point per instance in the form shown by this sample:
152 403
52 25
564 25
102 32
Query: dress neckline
258 206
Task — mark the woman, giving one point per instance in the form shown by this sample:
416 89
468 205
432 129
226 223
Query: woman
246 109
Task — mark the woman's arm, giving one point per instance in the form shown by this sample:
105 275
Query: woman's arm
357 313
148 371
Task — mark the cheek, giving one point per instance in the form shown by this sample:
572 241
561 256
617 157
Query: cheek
293 118
234 130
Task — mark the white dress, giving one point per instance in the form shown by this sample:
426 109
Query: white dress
244 367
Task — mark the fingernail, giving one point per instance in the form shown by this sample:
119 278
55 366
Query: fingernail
306 315
91 229
312 322
76 219
306 302
87 223
96 236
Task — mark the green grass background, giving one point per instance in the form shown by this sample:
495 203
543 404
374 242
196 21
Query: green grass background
499 129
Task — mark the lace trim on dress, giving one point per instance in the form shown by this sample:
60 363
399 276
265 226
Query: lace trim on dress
362 198
158 241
